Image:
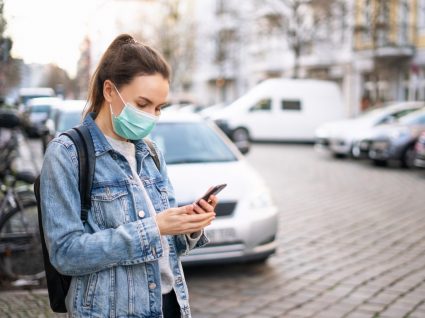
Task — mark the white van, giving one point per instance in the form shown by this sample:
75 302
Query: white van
281 110
27 93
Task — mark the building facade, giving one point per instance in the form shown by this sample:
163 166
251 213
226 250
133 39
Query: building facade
390 45
374 49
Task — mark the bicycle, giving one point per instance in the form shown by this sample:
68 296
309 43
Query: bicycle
21 257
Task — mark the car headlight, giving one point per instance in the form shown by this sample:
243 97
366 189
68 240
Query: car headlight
399 133
260 200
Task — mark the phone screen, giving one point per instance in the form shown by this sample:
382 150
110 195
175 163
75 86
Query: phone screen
213 191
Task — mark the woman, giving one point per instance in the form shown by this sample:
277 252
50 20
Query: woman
124 261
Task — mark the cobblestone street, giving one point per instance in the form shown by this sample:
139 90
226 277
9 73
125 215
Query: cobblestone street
351 244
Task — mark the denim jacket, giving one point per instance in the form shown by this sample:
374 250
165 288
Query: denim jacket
113 257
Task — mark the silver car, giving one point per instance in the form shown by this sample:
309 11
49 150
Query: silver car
397 141
199 156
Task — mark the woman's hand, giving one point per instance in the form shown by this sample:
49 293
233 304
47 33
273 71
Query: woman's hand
186 219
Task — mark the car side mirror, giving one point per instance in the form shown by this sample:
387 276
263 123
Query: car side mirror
243 149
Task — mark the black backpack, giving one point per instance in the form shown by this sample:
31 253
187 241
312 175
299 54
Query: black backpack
58 284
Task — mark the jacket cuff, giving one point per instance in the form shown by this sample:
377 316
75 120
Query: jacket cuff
150 238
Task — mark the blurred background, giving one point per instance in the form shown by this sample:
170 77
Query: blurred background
218 50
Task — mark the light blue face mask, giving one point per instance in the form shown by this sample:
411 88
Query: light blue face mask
132 123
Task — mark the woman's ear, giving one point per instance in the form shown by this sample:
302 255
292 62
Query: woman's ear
108 88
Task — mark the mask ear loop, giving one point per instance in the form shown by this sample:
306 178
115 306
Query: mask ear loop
119 94
110 109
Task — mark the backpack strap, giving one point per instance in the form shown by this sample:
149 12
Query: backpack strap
153 153
83 142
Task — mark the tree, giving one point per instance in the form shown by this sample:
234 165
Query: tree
58 79
172 33
9 67
300 22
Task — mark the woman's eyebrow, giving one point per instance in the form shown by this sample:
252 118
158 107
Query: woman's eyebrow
150 102
146 99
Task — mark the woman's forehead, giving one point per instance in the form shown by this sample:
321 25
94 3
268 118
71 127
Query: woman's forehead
152 87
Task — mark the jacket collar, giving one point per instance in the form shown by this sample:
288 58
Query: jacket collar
101 145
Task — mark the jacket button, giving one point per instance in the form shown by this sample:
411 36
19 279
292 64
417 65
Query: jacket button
141 214
152 286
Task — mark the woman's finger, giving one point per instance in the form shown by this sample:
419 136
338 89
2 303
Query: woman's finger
201 217
213 200
206 206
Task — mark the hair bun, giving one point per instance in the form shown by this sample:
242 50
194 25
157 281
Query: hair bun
123 39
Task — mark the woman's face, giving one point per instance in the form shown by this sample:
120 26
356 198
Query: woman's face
148 93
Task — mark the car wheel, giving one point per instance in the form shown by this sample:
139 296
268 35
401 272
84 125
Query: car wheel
240 137
380 163
409 157
259 261
339 155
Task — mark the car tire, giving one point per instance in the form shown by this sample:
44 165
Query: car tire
380 163
259 261
408 160
339 155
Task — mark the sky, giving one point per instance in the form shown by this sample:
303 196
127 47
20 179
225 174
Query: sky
51 31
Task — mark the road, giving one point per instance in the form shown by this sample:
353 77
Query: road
351 244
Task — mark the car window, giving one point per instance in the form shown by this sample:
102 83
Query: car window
396 116
67 120
40 109
190 143
415 118
290 104
262 105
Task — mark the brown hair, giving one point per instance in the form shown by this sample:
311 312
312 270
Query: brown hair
124 59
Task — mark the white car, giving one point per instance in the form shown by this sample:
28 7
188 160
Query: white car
64 116
38 111
199 156
341 137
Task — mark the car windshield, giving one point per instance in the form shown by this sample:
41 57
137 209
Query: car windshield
415 118
190 143
67 120
40 109
26 98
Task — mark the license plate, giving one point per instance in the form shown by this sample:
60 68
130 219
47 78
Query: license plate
381 145
221 235
364 145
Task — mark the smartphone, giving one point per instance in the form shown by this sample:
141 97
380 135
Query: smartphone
214 190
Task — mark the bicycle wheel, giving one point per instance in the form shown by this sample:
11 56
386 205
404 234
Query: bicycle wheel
20 246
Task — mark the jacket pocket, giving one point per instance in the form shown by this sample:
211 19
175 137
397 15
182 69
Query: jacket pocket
110 205
90 290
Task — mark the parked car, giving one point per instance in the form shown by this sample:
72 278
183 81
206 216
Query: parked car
397 141
209 111
281 110
64 116
342 138
198 156
37 112
27 93
420 151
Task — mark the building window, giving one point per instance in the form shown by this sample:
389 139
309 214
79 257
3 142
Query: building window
421 16
262 105
367 18
404 22
291 105
381 24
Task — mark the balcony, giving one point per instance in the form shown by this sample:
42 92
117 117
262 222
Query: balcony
384 42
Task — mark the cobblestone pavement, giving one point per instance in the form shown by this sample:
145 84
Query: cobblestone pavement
351 244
